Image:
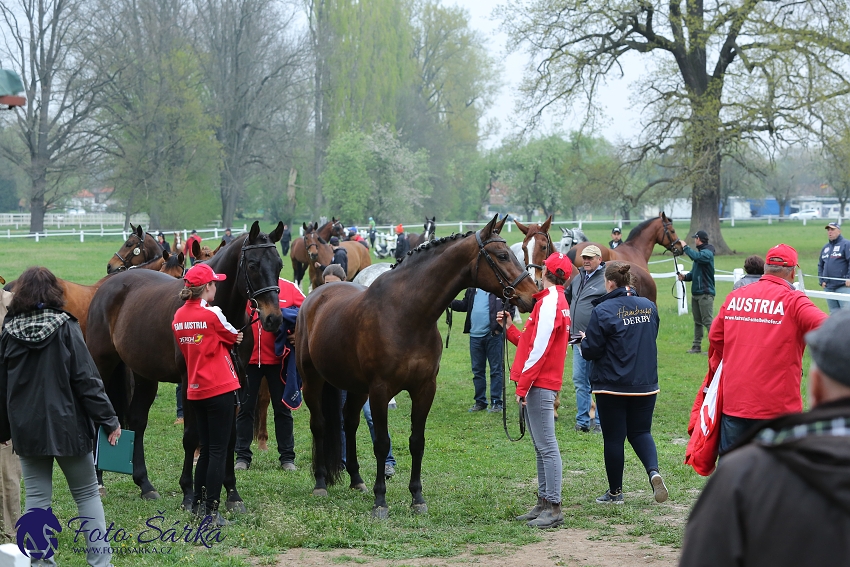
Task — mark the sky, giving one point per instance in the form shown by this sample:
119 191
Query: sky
622 122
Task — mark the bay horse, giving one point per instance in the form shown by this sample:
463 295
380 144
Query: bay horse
429 233
407 359
140 247
131 317
298 251
318 250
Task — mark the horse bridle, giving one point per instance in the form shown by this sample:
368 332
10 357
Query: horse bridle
252 293
311 245
140 249
670 248
548 250
508 290
429 233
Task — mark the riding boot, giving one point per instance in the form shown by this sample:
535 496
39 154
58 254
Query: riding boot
534 512
551 517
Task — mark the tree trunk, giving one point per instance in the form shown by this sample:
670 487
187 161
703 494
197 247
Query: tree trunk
37 210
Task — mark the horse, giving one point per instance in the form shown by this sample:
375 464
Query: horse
370 273
173 264
131 317
318 250
429 233
409 357
298 251
140 247
569 239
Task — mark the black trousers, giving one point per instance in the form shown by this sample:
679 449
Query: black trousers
623 417
215 421
282 414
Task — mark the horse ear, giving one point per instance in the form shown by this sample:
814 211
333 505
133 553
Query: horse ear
434 219
521 227
181 258
490 228
255 231
563 231
196 249
132 228
165 255
275 235
547 224
500 224
304 226
140 233
220 244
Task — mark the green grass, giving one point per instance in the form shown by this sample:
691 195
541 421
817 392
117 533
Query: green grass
474 479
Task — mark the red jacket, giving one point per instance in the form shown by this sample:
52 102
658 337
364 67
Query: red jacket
187 248
542 345
263 350
204 337
758 333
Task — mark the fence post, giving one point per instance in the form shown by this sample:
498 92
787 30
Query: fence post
509 227
733 222
36 237
245 228
738 273
124 234
579 224
804 221
101 229
769 219
81 237
460 227
215 230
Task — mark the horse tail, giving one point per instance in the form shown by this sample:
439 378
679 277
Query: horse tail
120 391
331 457
297 271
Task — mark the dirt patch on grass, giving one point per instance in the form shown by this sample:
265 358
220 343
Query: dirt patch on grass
565 547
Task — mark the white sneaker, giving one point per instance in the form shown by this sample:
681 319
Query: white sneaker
658 488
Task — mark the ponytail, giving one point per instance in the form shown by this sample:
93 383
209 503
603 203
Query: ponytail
619 273
191 292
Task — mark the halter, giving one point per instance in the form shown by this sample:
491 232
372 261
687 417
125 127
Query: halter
548 250
312 245
252 293
140 249
508 290
667 235
429 233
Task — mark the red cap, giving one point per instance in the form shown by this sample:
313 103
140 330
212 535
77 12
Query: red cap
557 260
399 229
201 274
781 255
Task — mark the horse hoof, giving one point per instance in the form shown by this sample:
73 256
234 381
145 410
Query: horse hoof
380 513
152 495
237 506
360 487
321 492
419 508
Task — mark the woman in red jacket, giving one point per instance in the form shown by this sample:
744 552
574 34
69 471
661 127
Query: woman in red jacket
538 370
204 337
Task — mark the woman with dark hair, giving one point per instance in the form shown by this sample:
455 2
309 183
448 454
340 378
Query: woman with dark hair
754 268
620 340
51 401
205 337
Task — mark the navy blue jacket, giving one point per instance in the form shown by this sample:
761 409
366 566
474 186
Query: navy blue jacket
289 373
835 263
620 339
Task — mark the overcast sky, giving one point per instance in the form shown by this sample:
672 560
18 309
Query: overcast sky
621 121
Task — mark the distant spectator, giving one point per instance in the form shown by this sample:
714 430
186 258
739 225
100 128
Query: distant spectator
340 256
754 268
228 236
616 236
402 245
163 243
187 250
285 240
834 266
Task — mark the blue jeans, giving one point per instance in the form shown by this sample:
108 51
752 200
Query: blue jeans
482 350
834 305
581 380
540 414
367 413
732 429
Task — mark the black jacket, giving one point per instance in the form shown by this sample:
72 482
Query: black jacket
51 395
340 257
777 500
465 305
620 339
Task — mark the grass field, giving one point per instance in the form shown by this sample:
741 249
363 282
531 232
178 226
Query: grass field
474 479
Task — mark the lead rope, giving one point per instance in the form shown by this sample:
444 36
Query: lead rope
449 324
505 377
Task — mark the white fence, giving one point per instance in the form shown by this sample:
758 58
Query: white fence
22 220
211 233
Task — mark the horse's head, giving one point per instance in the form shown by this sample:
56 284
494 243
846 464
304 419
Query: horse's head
506 276
337 229
430 227
536 247
567 240
174 264
258 274
666 236
318 250
140 247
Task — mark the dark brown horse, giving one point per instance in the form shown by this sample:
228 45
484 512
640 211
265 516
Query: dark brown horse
428 234
139 248
131 317
406 358
298 251
318 250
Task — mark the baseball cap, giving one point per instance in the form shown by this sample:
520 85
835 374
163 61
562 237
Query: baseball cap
701 234
226 229
194 231
833 225
781 255
616 229
557 261
828 345
334 241
201 274
591 251
399 229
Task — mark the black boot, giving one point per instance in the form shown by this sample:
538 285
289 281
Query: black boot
551 517
534 512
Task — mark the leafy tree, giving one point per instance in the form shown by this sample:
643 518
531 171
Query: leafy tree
535 172
716 73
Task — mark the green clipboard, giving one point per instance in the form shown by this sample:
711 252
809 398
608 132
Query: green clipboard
118 458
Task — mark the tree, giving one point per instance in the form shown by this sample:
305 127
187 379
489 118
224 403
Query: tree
535 173
786 173
50 46
716 73
835 155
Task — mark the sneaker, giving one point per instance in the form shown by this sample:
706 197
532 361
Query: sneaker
595 427
389 471
582 428
609 498
694 350
659 490
288 466
241 466
478 407
495 408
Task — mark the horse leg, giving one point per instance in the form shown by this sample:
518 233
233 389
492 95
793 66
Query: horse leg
144 394
351 413
381 448
421 405
234 502
261 415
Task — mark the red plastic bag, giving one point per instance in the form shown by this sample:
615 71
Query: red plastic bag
704 426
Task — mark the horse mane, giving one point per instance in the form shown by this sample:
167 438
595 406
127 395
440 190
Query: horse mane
433 243
640 228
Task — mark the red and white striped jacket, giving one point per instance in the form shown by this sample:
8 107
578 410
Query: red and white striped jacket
542 344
